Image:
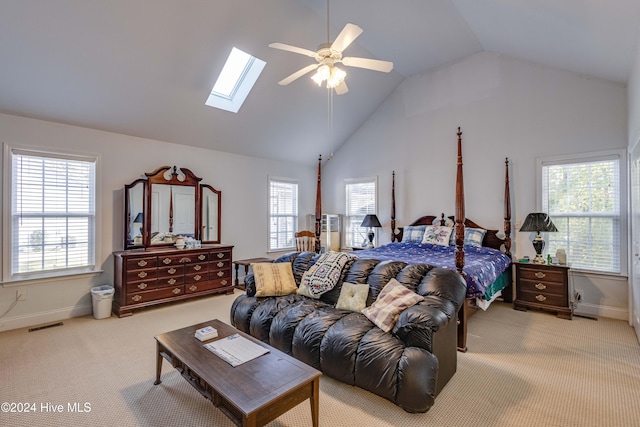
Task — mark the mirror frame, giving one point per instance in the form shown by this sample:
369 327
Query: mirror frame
170 175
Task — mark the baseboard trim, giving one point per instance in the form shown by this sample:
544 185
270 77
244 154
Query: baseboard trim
45 317
602 311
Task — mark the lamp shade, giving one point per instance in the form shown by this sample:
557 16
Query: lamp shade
370 220
538 221
139 218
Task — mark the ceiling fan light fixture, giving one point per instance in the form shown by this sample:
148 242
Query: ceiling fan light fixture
337 76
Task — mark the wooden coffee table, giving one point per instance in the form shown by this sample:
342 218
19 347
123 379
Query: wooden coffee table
251 394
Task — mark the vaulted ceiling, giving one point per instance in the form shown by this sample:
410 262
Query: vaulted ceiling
146 67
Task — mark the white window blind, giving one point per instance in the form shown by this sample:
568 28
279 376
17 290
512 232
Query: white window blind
583 200
361 200
283 214
52 213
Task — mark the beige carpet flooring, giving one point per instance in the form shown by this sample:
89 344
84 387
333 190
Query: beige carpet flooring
522 369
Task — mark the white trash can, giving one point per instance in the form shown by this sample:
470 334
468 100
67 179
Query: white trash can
102 299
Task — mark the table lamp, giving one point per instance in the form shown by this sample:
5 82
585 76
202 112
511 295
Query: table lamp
538 221
370 221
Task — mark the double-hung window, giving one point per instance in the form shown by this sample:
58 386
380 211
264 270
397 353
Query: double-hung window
283 213
53 214
582 195
360 200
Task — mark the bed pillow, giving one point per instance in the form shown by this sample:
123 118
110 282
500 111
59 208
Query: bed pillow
273 279
437 235
392 300
326 272
413 233
353 297
474 236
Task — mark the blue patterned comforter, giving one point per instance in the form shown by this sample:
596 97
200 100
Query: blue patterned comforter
482 265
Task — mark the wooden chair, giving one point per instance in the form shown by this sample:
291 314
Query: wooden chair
305 240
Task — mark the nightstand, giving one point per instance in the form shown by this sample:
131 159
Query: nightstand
544 287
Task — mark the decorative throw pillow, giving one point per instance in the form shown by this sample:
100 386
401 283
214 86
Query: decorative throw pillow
326 273
274 279
413 233
304 289
474 236
353 297
392 300
437 235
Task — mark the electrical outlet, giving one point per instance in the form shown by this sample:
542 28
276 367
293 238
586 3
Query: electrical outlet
21 295
578 295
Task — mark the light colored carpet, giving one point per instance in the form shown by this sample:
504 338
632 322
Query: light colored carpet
522 369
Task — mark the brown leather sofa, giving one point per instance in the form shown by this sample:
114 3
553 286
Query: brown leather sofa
408 365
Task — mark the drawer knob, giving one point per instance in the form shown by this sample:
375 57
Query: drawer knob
541 286
142 263
172 270
223 283
220 264
193 288
197 267
541 298
201 257
540 275
172 281
167 261
197 277
142 274
220 255
176 291
220 273
142 285
136 298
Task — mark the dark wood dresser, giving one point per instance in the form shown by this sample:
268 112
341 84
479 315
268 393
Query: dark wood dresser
146 277
543 287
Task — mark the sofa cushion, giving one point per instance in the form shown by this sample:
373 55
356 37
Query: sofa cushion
326 272
274 279
353 297
393 299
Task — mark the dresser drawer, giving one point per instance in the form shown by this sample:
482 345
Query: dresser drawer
171 271
220 255
543 298
200 267
196 278
141 263
220 265
170 281
556 288
532 273
146 296
172 260
137 275
143 285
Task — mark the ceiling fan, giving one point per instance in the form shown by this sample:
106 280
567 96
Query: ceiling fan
329 54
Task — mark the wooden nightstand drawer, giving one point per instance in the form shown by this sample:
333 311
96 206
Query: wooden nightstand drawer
544 287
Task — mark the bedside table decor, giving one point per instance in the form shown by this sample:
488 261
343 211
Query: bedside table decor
538 221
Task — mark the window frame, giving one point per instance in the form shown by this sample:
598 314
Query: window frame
8 276
347 217
620 156
296 216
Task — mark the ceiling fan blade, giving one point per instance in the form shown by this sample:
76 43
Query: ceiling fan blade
293 49
298 74
342 88
349 33
371 64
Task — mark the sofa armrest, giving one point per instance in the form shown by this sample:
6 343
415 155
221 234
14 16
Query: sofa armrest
417 325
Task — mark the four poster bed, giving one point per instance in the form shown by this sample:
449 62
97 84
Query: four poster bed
478 258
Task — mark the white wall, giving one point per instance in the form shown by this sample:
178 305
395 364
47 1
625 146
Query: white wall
506 108
242 180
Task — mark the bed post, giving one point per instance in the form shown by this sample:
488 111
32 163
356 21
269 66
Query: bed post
507 209
394 236
318 208
459 251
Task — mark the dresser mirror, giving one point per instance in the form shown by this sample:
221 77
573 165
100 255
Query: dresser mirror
168 204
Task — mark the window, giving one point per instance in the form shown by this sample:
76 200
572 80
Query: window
239 74
361 200
582 197
283 213
52 213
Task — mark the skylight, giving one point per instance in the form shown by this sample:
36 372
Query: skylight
239 74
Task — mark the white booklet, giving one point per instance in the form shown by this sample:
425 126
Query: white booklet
236 349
